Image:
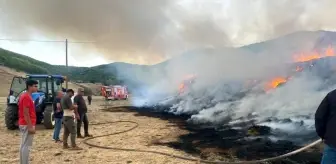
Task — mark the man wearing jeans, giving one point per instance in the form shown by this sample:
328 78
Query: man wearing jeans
27 120
58 116
69 122
82 110
325 123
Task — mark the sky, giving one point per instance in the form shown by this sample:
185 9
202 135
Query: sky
53 52
150 31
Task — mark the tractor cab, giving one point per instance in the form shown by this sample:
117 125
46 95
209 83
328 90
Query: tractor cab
48 85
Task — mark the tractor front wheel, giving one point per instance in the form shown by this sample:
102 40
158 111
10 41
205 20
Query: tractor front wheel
11 117
48 117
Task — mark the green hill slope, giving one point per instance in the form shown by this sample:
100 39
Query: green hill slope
29 65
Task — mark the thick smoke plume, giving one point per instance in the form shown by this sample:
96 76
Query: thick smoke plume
221 94
150 31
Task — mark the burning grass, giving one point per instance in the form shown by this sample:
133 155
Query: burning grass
227 143
309 56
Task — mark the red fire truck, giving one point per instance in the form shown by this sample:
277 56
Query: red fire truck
115 92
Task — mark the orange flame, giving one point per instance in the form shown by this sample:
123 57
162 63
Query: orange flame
184 85
298 69
302 57
181 88
329 51
275 83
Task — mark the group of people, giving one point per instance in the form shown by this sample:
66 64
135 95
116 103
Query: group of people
71 113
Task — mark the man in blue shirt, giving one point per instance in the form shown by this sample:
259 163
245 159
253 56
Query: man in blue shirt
58 115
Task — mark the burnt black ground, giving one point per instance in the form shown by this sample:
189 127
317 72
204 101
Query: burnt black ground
225 143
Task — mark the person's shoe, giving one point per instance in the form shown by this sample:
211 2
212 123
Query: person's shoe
88 135
58 141
66 146
79 136
76 148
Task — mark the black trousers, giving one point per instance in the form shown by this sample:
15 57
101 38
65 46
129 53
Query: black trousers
89 99
83 119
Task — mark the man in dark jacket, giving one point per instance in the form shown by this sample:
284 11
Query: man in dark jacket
82 110
58 115
325 123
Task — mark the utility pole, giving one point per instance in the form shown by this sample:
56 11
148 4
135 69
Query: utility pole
66 63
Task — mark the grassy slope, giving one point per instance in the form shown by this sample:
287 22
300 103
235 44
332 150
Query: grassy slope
29 65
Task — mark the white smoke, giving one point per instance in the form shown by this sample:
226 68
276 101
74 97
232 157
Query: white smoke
299 96
150 31
220 95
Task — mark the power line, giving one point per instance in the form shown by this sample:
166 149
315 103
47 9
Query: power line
46 41
30 40
51 41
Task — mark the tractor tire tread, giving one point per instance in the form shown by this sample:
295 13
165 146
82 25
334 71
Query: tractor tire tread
47 117
11 117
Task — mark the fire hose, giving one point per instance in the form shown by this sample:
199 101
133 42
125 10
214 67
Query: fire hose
276 158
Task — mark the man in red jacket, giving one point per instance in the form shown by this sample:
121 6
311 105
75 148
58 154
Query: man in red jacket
27 120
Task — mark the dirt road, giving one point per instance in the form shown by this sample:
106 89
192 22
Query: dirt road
150 130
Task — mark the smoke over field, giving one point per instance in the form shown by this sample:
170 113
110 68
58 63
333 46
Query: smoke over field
240 88
151 31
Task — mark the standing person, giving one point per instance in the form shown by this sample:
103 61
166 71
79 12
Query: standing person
89 98
27 120
69 122
325 122
82 110
58 116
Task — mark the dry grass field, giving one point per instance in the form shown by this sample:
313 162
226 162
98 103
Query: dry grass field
150 130
44 150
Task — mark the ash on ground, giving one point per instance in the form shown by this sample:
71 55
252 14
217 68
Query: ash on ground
243 140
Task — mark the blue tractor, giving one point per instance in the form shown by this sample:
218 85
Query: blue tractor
48 85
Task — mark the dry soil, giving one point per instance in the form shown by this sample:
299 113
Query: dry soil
150 130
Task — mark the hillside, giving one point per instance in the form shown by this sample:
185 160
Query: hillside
26 64
291 43
136 75
108 74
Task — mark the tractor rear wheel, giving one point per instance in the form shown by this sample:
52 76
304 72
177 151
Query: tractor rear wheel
48 117
11 117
